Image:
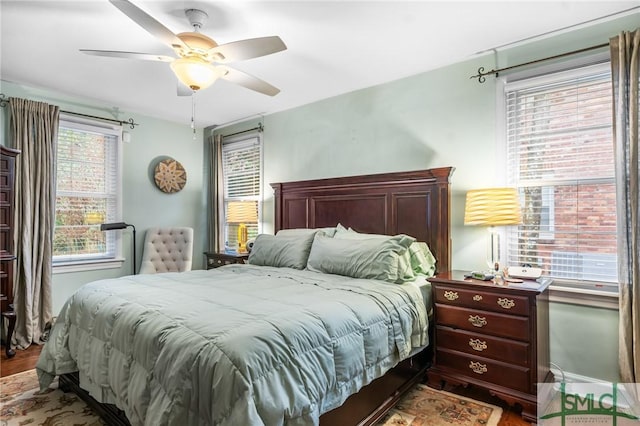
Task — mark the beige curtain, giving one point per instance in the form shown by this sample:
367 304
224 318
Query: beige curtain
216 200
625 59
34 130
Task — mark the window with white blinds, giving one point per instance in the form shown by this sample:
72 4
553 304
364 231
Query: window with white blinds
87 190
560 157
242 176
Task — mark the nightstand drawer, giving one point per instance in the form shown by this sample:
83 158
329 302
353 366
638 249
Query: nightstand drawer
215 260
484 322
479 368
483 345
482 299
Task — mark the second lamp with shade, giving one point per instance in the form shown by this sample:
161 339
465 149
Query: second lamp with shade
241 213
493 207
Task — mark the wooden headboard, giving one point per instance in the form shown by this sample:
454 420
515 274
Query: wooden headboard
415 203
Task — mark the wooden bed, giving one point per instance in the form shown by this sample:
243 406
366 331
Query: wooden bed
415 203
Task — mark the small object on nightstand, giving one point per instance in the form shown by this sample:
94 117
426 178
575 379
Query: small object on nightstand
215 260
480 276
524 272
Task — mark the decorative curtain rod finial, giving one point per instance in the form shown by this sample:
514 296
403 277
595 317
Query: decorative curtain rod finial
132 124
3 100
481 74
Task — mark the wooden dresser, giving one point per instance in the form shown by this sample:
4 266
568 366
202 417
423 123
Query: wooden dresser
7 255
491 336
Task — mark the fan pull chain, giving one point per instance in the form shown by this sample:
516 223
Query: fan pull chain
193 114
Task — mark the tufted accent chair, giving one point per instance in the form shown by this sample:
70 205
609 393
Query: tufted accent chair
167 250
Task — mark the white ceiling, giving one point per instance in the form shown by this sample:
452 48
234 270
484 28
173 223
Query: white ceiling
334 47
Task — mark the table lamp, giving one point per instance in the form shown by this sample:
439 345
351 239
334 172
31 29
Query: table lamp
240 213
493 207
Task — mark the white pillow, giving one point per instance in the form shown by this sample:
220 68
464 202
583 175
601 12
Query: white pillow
329 231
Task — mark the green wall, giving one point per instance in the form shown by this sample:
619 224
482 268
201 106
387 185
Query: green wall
584 340
143 204
435 119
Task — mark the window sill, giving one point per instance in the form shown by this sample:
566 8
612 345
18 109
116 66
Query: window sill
90 265
585 297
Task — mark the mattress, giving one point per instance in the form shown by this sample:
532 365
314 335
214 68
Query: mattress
240 344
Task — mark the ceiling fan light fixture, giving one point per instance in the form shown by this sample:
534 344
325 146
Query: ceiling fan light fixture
195 73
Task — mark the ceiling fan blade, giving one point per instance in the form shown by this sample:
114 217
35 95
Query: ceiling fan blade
247 49
128 55
149 23
248 81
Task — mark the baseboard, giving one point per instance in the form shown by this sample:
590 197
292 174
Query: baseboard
568 377
578 378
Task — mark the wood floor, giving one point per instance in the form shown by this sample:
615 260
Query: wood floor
23 361
26 360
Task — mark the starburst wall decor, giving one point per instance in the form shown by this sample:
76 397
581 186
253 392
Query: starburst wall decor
170 176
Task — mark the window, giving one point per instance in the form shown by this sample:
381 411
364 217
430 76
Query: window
560 157
242 179
87 191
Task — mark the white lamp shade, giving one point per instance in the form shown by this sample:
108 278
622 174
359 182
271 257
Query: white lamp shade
194 72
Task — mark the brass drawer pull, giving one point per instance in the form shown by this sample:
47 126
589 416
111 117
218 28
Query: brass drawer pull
450 295
477 321
506 303
477 345
477 298
478 367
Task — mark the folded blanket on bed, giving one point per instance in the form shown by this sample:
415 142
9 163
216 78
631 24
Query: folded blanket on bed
237 345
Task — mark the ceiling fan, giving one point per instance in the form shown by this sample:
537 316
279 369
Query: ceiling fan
201 61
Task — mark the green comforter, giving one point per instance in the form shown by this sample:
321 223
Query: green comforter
237 345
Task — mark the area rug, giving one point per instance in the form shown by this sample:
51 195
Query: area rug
424 406
24 404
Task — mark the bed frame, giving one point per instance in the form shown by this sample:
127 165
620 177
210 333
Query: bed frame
415 203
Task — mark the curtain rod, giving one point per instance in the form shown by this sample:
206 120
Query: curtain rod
259 128
130 121
4 101
482 73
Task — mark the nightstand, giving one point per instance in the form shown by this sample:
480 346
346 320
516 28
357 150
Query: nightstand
215 260
492 336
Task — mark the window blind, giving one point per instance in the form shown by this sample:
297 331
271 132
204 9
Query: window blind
87 182
241 164
560 157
